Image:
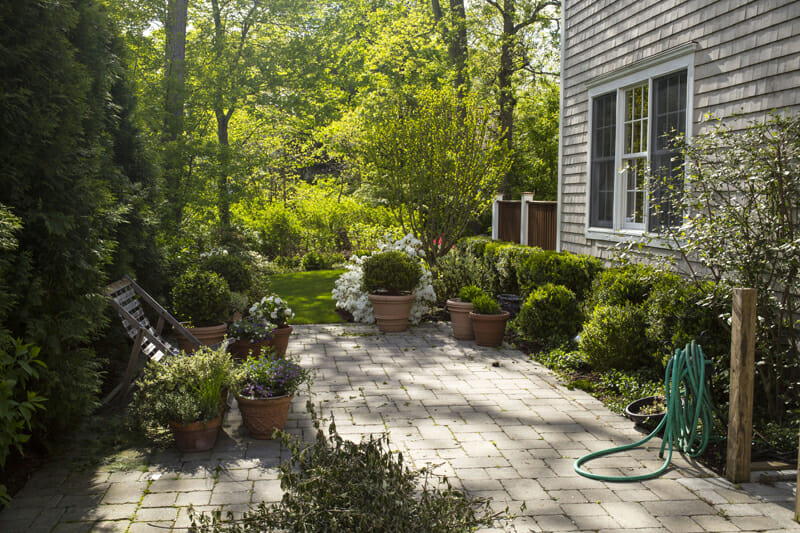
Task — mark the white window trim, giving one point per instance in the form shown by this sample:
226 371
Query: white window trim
676 59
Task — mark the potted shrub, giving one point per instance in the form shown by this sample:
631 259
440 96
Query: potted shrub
265 387
185 393
202 300
389 278
460 308
488 321
266 324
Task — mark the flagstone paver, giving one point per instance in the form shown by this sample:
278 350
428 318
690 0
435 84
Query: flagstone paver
497 424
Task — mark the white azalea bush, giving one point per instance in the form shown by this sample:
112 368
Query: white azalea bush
348 294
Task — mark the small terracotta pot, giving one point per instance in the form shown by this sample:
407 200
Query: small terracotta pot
392 312
280 340
460 320
262 417
242 348
196 436
208 336
489 329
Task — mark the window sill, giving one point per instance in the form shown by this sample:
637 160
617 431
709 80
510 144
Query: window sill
651 240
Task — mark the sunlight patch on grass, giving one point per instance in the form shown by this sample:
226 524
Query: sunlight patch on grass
309 295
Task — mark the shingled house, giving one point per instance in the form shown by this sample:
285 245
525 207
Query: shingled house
634 69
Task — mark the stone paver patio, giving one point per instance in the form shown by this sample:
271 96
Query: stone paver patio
495 423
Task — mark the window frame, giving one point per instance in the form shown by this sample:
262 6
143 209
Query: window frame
617 82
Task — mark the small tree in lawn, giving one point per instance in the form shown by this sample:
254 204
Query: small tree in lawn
435 161
741 223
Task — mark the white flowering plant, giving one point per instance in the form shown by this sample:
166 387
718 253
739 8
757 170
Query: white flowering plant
272 308
348 292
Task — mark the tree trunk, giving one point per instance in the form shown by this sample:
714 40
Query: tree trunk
505 94
223 189
174 82
458 46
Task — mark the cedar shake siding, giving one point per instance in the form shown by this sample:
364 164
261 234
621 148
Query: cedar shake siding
743 59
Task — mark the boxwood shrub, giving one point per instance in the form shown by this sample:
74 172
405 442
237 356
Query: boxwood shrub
391 272
201 298
550 314
576 272
614 337
233 268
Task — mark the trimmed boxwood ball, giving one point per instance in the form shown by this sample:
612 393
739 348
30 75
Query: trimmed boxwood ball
201 298
392 273
614 338
232 268
483 304
551 312
469 293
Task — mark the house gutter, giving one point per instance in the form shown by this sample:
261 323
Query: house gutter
559 207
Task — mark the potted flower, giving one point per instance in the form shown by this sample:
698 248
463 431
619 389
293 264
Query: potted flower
265 387
488 321
185 393
460 308
277 312
202 300
252 334
389 278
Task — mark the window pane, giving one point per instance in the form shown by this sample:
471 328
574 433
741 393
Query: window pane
636 120
601 200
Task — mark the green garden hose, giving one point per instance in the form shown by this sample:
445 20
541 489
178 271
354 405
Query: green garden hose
689 418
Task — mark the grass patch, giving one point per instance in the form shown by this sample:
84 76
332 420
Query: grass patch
309 295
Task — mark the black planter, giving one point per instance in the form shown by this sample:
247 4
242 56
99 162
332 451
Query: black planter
633 410
510 303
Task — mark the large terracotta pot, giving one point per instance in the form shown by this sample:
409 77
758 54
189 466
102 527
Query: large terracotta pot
280 340
460 320
262 417
242 348
196 436
489 329
391 312
208 336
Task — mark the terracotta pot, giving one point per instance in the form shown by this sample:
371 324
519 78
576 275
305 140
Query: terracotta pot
391 312
280 340
489 329
243 347
208 336
261 417
460 320
196 436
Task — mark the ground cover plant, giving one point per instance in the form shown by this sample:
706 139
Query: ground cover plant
310 295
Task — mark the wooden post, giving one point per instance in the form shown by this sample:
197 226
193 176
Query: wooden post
496 217
524 215
740 416
797 492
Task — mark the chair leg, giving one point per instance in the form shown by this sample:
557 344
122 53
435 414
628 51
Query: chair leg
129 371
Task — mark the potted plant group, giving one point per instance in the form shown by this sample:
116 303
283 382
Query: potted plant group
265 386
202 300
488 321
389 278
266 324
185 393
460 308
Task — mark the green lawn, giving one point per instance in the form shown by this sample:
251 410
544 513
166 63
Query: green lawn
309 295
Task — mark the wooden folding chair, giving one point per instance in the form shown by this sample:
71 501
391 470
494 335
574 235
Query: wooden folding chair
126 297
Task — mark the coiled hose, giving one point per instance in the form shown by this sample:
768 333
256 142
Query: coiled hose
689 418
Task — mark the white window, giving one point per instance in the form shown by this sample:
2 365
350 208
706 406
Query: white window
633 115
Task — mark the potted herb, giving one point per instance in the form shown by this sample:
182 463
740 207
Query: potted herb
488 321
460 308
389 278
202 300
186 394
265 387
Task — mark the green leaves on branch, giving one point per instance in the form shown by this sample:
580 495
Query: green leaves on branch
435 161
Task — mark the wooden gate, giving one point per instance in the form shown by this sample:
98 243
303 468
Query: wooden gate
509 220
542 224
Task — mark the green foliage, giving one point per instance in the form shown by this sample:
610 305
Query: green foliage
434 159
231 267
469 293
630 284
454 270
181 388
483 304
620 388
268 377
334 485
563 360
550 314
576 272
391 272
201 298
321 261
614 338
507 262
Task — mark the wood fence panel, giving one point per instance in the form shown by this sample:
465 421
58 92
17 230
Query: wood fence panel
509 220
542 224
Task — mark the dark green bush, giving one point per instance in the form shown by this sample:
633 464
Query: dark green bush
233 269
391 272
469 293
453 271
614 338
338 486
576 272
484 304
550 314
313 261
201 298
630 284
508 261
